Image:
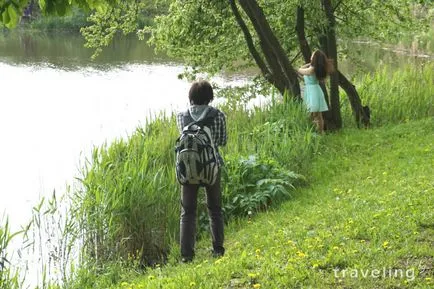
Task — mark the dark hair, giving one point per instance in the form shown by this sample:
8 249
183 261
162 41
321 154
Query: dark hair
321 64
200 92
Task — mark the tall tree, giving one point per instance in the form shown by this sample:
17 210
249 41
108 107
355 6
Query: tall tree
276 68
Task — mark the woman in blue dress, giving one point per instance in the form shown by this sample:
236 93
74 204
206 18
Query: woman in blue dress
314 72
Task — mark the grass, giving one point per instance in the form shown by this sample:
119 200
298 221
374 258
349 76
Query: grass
369 206
9 277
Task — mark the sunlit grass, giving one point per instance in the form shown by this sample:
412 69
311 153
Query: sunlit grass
369 206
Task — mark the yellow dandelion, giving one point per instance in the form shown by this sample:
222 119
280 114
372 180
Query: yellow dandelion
362 241
258 251
316 265
252 275
218 261
428 279
335 248
385 244
257 285
151 277
192 284
301 254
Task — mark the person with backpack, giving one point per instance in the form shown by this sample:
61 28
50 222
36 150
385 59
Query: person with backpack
198 164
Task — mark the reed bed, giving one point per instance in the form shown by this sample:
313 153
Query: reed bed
129 204
395 96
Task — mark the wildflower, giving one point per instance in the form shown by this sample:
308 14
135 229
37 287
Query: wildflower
151 277
124 284
257 285
428 279
252 275
218 261
316 265
335 248
258 251
301 254
192 284
385 244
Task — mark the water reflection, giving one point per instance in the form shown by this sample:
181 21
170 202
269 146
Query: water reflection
67 51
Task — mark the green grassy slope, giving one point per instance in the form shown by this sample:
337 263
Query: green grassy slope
365 221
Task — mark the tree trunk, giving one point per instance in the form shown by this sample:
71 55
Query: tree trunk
283 74
333 54
354 98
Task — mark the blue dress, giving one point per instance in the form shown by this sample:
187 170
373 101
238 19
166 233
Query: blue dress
313 95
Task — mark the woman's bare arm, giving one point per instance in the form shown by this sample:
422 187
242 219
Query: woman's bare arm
306 70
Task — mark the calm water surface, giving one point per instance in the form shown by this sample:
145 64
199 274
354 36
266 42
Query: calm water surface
56 104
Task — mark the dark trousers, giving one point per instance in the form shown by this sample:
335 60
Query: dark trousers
188 217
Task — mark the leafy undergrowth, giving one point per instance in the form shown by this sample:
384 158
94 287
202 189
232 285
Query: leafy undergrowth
365 221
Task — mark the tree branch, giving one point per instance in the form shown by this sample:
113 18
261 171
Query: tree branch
277 53
301 36
248 37
337 5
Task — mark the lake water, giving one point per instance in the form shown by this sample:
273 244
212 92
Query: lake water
56 104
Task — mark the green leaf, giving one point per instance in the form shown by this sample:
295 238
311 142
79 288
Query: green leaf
13 17
6 17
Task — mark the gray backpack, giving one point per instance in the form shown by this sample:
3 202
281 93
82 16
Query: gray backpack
196 155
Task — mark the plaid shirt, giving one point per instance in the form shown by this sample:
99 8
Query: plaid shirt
218 129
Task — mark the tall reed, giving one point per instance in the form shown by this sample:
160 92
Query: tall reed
396 95
9 276
129 204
